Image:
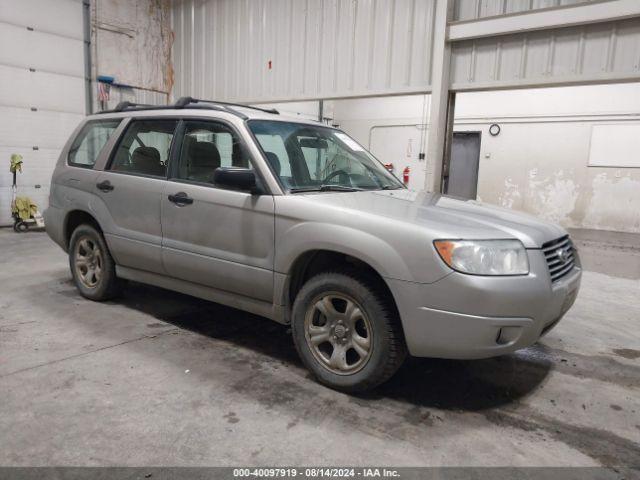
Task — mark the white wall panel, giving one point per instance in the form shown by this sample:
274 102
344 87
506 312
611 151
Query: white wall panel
61 17
41 162
540 162
20 127
41 90
269 50
33 181
615 145
21 131
586 54
40 50
474 9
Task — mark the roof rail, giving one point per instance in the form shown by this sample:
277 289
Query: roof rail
138 107
183 102
122 106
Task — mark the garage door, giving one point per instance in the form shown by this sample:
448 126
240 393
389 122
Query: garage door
41 91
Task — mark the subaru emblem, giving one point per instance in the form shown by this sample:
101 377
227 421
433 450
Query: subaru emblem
563 255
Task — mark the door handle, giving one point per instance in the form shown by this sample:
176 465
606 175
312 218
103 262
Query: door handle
181 199
105 186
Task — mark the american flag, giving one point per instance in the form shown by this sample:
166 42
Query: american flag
103 91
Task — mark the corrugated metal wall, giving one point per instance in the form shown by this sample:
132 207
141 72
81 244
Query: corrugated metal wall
591 53
474 9
269 50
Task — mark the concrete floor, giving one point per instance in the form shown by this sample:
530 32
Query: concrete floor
157 378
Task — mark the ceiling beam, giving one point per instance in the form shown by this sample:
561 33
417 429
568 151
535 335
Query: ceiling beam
548 18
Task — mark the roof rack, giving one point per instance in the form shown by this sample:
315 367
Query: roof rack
185 102
124 106
120 107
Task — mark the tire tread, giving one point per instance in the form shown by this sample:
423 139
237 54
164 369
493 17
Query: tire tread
111 288
397 349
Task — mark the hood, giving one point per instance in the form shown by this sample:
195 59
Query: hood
446 217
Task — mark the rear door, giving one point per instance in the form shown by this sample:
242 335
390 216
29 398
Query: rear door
131 187
214 236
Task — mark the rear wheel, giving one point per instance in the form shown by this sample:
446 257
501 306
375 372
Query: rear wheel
91 264
347 331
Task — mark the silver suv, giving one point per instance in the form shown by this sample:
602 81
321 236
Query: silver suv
295 221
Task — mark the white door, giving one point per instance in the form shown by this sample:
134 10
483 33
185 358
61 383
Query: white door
41 91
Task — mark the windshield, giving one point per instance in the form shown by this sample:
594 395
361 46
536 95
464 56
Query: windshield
309 158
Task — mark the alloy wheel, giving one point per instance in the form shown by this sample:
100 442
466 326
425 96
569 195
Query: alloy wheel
338 333
88 262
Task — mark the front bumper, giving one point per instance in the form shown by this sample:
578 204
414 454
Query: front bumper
465 316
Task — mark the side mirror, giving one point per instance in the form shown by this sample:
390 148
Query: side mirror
236 177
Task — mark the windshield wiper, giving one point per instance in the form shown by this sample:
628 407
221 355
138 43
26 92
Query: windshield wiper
390 187
326 188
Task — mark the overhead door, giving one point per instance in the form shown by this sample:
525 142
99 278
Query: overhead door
41 91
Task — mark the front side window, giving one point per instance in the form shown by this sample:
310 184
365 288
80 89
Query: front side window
92 138
145 148
207 146
308 157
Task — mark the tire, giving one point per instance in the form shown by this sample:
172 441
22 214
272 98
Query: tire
359 306
88 253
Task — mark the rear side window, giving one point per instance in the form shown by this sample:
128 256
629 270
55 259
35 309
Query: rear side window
87 146
145 148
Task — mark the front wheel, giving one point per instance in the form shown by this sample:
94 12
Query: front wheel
347 331
92 266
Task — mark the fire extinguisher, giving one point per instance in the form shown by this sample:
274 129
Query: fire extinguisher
405 175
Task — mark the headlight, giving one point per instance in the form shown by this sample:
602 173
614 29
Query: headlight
484 257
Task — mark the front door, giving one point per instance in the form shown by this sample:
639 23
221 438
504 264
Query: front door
462 177
214 236
131 188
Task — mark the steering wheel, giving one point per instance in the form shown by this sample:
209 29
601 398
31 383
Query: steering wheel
335 173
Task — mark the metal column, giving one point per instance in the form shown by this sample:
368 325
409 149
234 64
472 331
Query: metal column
442 103
86 20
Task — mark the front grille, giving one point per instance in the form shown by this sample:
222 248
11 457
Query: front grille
561 257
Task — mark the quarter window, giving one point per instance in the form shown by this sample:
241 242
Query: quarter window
92 138
145 148
207 146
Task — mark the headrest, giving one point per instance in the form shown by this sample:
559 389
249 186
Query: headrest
146 154
273 159
203 155
147 160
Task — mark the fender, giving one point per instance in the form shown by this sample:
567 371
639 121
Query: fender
379 254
